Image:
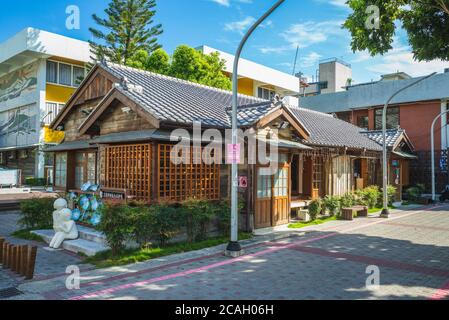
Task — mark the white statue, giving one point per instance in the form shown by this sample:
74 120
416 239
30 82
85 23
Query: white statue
65 228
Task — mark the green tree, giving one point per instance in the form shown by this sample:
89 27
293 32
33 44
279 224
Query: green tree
127 29
425 21
192 65
158 61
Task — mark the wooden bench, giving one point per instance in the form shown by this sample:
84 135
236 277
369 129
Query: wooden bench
349 213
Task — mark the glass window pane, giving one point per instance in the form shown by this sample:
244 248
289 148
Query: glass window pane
78 76
52 72
65 74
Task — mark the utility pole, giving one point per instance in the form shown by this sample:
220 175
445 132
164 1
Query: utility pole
234 249
386 211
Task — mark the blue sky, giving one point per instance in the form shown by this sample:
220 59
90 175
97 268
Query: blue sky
314 25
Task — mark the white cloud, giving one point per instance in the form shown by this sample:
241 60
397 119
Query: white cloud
310 60
240 26
227 3
336 3
309 33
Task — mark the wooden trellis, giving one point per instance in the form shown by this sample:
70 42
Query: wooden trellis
129 167
181 181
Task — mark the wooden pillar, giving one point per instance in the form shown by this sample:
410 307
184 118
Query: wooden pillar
23 254
8 256
4 252
2 241
30 262
13 258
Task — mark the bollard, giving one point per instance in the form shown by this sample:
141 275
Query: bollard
31 262
13 258
8 256
4 254
2 241
18 260
23 254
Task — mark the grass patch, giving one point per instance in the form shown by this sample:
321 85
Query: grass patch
106 260
317 222
26 234
376 210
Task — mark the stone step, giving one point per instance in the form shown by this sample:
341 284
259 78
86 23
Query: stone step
89 248
92 235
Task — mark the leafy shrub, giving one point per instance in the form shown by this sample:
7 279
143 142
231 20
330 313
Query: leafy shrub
197 216
35 182
37 213
332 204
315 208
391 192
347 201
143 221
369 196
166 222
421 187
413 193
117 224
223 215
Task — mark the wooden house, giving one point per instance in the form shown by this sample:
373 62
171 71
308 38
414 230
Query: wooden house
119 133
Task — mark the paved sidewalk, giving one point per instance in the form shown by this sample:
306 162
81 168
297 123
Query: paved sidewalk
328 262
48 264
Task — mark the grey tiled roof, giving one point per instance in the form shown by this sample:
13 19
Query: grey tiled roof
174 100
392 136
325 130
377 93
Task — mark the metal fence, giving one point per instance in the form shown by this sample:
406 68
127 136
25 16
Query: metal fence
421 170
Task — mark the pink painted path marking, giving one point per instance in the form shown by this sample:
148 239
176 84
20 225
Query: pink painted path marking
441 293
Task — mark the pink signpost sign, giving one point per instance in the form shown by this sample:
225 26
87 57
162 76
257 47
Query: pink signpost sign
233 154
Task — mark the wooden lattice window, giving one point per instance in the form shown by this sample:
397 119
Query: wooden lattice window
129 167
178 182
317 173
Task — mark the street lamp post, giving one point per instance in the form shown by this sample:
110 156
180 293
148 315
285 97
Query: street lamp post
234 249
432 142
386 211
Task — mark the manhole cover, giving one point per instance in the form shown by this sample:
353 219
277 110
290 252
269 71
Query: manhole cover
9 293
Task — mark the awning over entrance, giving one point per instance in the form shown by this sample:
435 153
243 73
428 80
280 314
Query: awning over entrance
133 136
286 144
69 146
405 155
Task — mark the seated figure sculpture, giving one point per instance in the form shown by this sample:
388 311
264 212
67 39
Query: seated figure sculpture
65 228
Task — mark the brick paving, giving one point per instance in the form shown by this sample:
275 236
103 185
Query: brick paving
325 262
48 264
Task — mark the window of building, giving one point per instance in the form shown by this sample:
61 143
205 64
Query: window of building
2 158
324 85
178 182
318 171
78 76
281 183
61 170
263 185
129 167
363 122
266 94
65 74
345 117
52 109
392 118
85 168
52 72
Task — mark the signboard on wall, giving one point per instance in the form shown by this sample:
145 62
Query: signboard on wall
18 83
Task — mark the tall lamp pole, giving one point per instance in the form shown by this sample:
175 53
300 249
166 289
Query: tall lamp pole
234 249
432 142
386 211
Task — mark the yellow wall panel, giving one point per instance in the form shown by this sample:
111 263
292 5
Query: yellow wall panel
52 136
246 86
59 94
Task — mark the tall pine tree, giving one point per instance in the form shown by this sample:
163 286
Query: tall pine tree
127 29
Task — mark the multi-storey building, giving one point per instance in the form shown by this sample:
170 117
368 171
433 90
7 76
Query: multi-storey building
39 71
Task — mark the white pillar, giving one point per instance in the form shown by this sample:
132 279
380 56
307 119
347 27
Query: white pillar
41 106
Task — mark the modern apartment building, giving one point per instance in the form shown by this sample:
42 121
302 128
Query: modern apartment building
39 71
258 80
